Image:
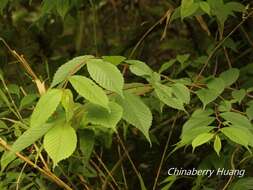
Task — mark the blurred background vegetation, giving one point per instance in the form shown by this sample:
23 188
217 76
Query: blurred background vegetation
48 33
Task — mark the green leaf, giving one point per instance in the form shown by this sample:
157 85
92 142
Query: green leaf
69 68
188 8
100 116
223 11
230 76
51 100
89 90
201 139
164 93
235 6
245 183
205 7
143 187
217 85
68 104
139 68
60 142
136 113
169 181
62 7
3 4
106 75
249 112
47 6
87 142
237 120
181 92
188 136
206 96
237 135
239 95
167 65
26 139
27 100
200 118
217 145
225 106
115 60
182 58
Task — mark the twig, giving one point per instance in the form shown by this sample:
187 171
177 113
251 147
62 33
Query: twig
233 168
164 152
50 175
218 46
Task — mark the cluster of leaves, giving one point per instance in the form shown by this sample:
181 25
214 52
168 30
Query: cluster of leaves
93 101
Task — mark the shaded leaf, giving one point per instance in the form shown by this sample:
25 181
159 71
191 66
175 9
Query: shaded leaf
89 90
139 68
40 115
69 68
230 76
100 116
164 93
136 113
237 119
87 142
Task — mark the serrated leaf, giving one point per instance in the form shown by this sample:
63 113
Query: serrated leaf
188 7
89 90
217 145
60 142
136 113
237 120
230 76
115 60
51 99
87 142
26 139
98 115
139 68
164 93
106 75
69 68
181 92
201 139
68 104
